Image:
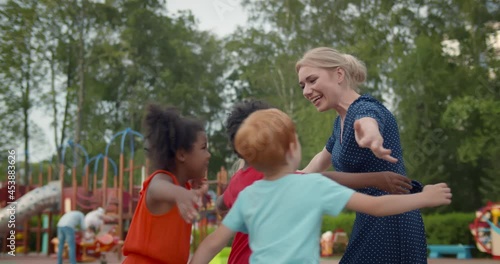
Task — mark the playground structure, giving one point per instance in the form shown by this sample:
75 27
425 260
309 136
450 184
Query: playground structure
48 198
486 229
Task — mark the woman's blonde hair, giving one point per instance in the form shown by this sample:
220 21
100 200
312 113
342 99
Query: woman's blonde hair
264 138
328 58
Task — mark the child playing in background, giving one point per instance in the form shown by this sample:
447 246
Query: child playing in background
95 219
246 176
284 226
161 227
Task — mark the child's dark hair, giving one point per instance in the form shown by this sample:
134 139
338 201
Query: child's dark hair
166 131
239 113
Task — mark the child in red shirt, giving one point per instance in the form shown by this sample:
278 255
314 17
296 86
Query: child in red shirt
246 176
160 231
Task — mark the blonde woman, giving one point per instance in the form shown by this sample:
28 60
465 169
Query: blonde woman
365 138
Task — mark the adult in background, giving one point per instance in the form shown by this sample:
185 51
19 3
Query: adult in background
68 225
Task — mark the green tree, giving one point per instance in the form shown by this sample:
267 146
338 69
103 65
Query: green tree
443 60
20 74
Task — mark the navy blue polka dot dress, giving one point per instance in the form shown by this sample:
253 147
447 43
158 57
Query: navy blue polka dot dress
398 239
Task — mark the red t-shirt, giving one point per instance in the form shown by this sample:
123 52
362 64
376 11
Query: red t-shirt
240 250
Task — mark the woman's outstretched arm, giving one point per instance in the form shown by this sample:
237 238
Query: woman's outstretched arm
320 162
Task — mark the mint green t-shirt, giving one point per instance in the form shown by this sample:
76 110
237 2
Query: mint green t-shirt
283 217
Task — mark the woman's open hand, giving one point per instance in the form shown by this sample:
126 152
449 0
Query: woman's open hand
368 136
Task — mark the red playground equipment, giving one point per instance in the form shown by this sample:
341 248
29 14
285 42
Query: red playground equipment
486 229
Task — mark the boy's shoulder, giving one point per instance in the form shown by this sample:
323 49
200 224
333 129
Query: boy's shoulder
289 178
299 178
309 176
315 179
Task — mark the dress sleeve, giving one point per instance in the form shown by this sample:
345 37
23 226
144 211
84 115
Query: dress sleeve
330 143
331 140
371 109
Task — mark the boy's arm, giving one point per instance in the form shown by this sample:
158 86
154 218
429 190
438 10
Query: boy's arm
386 181
212 245
431 196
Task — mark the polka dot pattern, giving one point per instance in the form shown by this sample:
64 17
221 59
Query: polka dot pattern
398 239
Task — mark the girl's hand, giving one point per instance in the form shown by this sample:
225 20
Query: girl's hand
198 183
394 183
189 201
368 136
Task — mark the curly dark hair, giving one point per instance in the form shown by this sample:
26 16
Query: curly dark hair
239 113
166 131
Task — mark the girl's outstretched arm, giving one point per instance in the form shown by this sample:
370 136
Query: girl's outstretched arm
162 193
432 196
386 181
212 245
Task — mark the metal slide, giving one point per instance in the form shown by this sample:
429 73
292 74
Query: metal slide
30 204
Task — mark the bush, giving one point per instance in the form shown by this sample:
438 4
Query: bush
342 221
449 229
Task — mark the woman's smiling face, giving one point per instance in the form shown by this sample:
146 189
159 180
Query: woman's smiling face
321 86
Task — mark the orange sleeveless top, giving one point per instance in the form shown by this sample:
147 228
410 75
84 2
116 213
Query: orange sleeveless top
157 238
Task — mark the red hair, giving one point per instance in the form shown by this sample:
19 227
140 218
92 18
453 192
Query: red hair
264 138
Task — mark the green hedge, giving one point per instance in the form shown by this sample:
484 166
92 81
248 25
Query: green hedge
342 221
452 228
